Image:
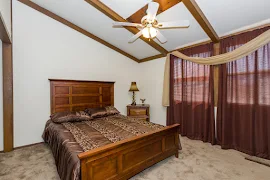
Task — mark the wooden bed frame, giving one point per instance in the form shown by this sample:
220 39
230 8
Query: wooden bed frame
120 160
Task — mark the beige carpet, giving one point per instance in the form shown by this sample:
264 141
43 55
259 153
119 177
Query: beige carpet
197 161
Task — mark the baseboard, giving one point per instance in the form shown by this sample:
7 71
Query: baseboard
258 160
29 145
25 146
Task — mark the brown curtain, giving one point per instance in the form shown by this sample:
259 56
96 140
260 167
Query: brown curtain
191 95
243 120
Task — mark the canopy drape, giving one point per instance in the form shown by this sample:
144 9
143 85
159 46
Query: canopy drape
238 53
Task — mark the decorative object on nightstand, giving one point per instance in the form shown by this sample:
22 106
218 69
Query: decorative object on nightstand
139 111
133 88
143 101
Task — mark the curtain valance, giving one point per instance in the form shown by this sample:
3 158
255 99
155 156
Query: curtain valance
238 53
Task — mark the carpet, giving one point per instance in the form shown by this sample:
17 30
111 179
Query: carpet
197 161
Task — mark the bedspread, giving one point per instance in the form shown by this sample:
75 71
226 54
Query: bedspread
67 140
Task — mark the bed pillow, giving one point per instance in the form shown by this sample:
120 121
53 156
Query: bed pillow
111 110
67 116
96 112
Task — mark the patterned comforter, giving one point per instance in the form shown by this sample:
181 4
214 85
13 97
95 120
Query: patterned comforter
67 140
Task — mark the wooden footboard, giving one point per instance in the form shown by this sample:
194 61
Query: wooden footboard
126 158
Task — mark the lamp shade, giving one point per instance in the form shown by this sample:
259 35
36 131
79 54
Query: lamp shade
133 87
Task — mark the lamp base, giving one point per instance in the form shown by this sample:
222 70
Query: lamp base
133 99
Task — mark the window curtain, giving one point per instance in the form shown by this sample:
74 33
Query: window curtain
243 119
191 95
238 53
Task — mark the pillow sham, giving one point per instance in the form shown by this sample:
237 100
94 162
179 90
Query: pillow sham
102 111
111 110
67 116
96 112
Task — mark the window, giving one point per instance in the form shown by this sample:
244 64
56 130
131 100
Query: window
191 80
249 78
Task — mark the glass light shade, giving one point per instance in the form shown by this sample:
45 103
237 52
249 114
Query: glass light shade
149 32
133 87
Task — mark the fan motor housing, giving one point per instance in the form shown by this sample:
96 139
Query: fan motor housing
145 22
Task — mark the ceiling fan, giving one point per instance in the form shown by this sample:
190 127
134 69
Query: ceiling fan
149 25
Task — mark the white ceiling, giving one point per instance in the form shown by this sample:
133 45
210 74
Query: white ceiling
89 18
179 37
224 15
228 15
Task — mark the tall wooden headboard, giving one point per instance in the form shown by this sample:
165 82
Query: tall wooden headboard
72 95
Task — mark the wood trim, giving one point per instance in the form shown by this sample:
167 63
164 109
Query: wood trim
192 45
216 48
151 58
114 16
246 30
180 49
4 34
7 97
197 13
204 42
77 28
163 6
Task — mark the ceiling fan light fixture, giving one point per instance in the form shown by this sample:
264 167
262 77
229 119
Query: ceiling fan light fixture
149 32
149 27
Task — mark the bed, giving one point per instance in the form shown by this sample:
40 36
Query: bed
122 146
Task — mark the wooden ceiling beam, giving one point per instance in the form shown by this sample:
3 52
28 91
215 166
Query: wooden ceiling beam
197 13
163 6
75 27
116 17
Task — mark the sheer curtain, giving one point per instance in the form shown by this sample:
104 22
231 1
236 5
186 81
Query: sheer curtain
191 95
243 121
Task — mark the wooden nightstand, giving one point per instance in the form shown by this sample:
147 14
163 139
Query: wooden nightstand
139 111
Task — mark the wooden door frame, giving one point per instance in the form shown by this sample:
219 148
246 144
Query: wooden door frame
7 66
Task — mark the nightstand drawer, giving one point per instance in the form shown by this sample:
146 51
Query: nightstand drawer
145 118
137 112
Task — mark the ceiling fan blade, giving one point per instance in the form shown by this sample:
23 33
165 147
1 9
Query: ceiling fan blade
160 37
136 36
174 24
152 11
121 24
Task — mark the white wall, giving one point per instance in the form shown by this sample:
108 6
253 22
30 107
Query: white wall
5 10
152 73
44 48
1 100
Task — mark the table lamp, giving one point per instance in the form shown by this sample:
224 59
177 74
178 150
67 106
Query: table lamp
133 88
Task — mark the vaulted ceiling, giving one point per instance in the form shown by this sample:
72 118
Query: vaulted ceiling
209 20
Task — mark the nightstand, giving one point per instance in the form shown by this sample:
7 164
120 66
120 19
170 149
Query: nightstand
139 111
